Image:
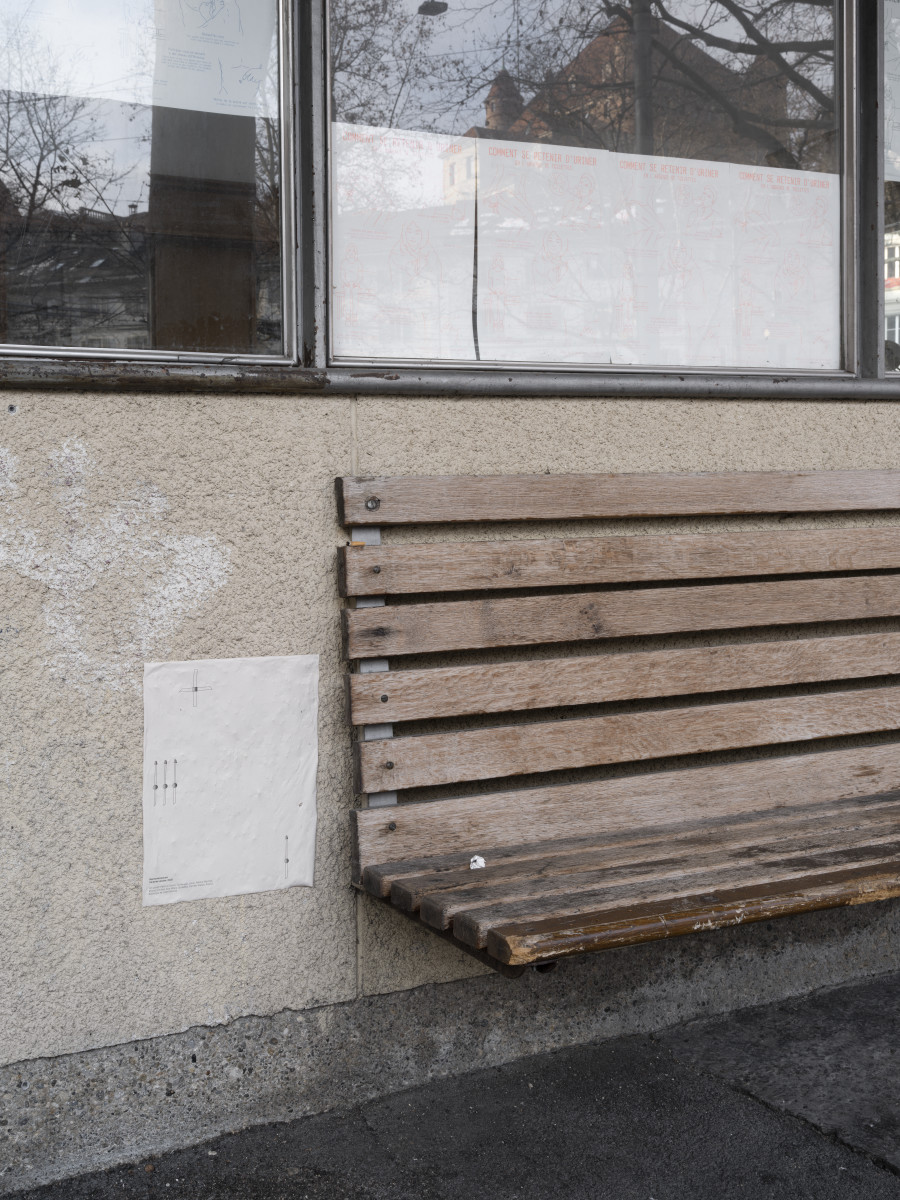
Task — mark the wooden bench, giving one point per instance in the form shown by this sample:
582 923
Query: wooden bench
539 677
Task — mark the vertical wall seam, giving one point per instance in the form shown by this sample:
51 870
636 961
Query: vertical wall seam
354 443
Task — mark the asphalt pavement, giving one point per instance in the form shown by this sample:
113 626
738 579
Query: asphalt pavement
785 1102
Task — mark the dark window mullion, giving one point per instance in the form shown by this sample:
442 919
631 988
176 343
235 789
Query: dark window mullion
869 168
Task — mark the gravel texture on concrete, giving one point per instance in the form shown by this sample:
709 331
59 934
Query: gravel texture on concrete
776 1102
61 1117
831 1059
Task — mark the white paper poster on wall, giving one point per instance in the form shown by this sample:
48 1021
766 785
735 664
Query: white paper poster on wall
403 244
201 55
892 90
229 788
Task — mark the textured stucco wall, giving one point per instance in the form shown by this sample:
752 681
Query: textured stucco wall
136 528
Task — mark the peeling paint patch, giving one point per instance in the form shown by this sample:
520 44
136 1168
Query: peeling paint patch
124 563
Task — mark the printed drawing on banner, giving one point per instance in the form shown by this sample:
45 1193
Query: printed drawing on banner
892 90
543 238
786 242
403 245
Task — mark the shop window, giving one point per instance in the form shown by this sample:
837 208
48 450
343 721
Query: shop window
649 184
140 169
489 188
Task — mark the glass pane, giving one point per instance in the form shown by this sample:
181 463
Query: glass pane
564 181
140 175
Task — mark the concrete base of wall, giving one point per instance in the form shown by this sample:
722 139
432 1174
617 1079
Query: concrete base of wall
63 1116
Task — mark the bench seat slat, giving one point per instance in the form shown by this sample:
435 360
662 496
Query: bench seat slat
588 616
472 925
403 500
559 937
475 566
643 880
622 807
848 813
548 683
764 840
435 759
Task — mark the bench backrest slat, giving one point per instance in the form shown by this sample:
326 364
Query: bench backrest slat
625 806
796 830
475 566
436 759
558 682
588 616
442 499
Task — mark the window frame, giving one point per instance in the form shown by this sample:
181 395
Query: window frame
306 365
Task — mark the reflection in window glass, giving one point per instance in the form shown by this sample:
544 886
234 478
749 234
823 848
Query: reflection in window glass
565 181
140 175
892 185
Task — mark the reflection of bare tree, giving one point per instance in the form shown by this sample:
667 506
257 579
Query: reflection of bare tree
55 180
380 64
267 233
49 140
754 79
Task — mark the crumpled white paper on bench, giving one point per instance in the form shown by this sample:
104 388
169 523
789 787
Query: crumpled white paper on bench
229 791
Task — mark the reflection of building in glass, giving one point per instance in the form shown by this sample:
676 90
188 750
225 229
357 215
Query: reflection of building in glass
74 279
701 108
199 268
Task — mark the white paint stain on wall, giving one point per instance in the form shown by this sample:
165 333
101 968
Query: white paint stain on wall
118 584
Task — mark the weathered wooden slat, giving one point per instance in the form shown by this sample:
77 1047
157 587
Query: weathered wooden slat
473 925
588 616
848 814
521 898
620 806
626 737
766 840
549 683
461 566
560 937
453 498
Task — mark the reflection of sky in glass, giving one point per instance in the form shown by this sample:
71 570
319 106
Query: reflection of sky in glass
116 49
103 48
107 51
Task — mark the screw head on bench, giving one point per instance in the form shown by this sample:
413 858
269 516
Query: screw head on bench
372 503
392 825
389 766
384 699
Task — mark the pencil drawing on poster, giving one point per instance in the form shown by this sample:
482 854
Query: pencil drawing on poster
243 734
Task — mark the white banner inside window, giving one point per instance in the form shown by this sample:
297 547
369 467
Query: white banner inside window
583 256
216 56
892 90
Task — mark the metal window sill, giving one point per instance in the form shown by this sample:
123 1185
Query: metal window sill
47 374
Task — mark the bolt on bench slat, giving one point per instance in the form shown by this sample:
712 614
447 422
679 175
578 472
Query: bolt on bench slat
422 500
